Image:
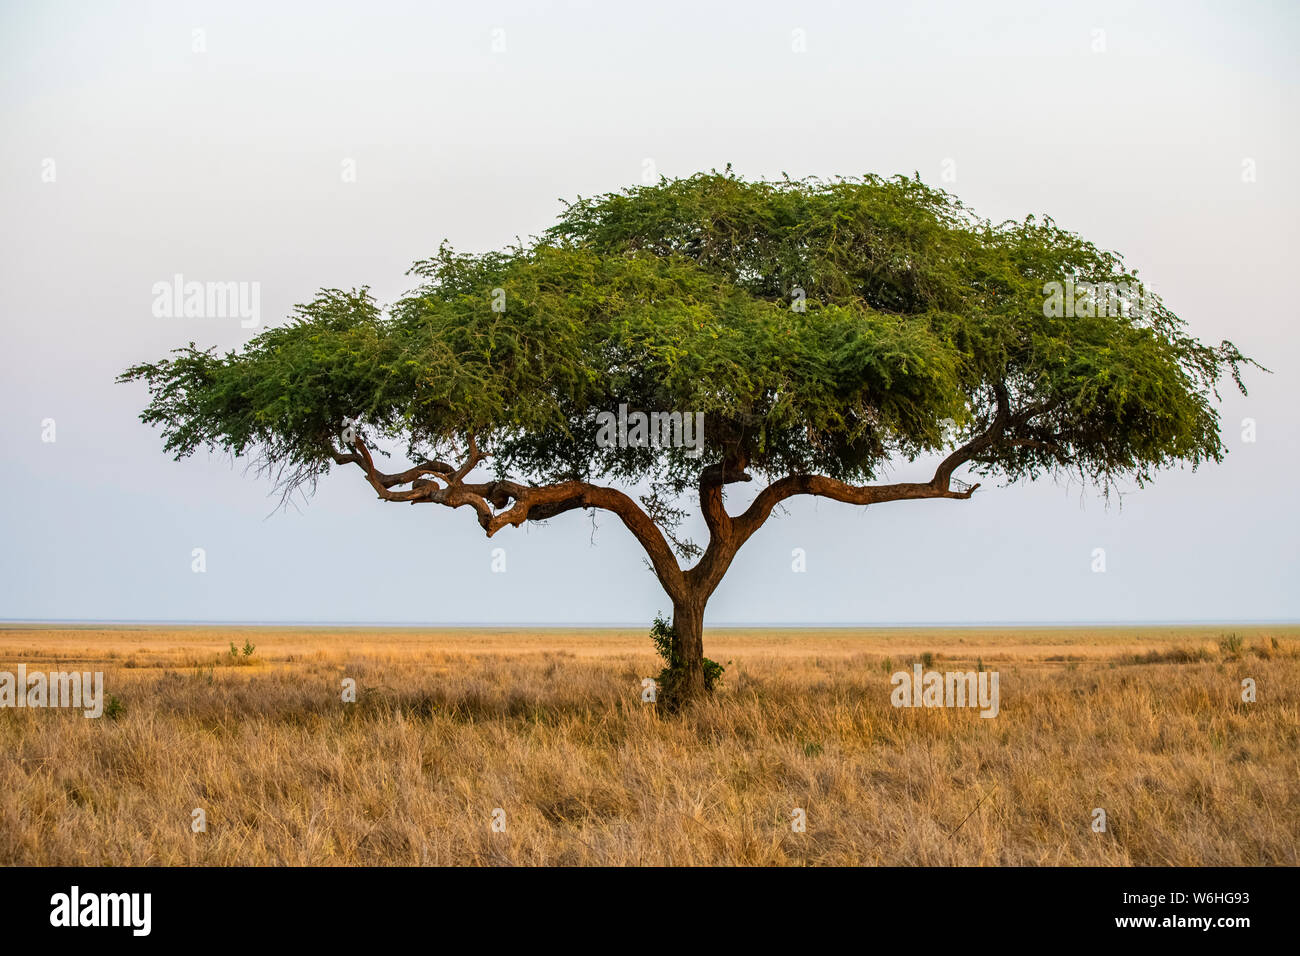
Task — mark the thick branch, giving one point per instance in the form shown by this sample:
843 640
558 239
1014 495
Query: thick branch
722 549
492 501
824 487
539 503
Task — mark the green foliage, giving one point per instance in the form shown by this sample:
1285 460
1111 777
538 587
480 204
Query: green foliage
234 651
114 709
683 296
249 647
661 634
664 637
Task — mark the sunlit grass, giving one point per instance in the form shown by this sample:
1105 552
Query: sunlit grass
548 725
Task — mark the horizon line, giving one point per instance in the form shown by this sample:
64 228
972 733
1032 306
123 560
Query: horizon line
16 623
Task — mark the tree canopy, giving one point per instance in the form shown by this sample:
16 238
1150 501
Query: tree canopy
824 328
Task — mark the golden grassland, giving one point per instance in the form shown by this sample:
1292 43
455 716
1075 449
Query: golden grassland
547 724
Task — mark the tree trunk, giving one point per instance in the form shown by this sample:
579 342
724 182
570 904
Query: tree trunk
688 648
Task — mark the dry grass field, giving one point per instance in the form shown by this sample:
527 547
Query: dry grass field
548 726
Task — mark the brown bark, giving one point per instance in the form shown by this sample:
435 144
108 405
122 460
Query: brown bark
688 649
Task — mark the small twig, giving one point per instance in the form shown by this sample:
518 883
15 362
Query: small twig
972 813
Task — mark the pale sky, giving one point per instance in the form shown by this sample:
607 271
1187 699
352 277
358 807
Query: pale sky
1165 131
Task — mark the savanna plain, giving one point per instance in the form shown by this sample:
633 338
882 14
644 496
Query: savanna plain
548 726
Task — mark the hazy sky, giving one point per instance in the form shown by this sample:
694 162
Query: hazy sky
135 149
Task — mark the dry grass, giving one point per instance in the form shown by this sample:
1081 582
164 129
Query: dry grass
548 725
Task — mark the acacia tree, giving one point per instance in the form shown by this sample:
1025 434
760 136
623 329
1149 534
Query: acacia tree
823 328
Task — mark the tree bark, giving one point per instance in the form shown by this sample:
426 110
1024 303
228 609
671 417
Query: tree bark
688 648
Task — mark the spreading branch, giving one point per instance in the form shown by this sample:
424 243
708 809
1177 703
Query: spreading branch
501 504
